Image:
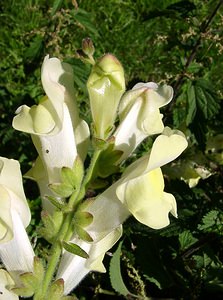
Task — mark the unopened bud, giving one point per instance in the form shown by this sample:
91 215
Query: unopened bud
106 84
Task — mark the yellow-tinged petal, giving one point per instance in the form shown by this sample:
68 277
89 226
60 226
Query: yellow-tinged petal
166 147
34 120
146 200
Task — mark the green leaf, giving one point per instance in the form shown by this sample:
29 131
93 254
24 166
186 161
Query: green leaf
115 273
209 220
186 239
56 6
206 98
192 106
83 234
75 249
56 202
51 224
62 189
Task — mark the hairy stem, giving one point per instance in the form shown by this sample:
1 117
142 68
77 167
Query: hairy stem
66 228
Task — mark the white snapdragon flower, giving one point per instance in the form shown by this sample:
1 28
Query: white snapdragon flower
55 127
16 251
140 116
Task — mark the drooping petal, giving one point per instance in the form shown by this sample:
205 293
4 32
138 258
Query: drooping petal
146 200
74 268
166 147
6 282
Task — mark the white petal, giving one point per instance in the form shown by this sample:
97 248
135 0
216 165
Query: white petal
6 281
59 150
108 213
11 179
17 254
128 135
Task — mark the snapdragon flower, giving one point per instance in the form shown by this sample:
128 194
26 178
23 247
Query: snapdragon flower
54 124
139 192
140 116
16 251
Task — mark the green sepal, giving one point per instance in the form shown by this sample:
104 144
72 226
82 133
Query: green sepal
29 284
68 177
56 202
23 292
51 224
62 189
74 249
38 268
83 218
99 144
78 171
107 160
74 176
83 234
56 290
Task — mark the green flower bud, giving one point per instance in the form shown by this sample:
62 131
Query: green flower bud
106 84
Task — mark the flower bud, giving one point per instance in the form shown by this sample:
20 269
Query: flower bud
88 47
106 84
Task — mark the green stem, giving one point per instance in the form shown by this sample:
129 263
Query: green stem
66 228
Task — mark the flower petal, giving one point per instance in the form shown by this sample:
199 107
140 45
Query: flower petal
6 282
11 180
17 255
166 147
146 200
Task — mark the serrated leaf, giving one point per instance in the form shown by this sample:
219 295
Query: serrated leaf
62 189
209 220
83 234
206 98
115 273
75 249
186 239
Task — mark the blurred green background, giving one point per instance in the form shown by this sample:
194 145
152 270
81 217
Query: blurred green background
175 42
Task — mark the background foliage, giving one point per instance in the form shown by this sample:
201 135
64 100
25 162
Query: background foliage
171 41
